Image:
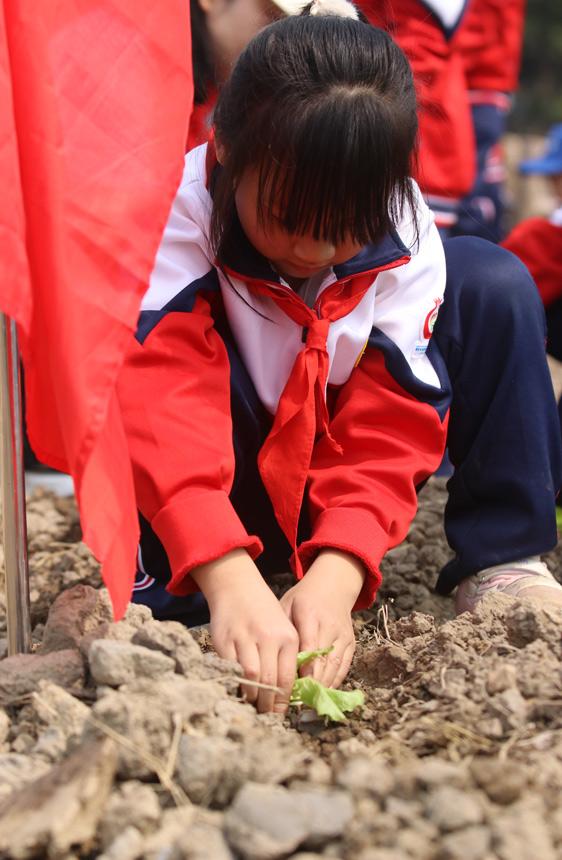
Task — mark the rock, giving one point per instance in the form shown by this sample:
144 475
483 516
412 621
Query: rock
21 674
452 809
4 725
172 639
203 840
212 769
473 843
133 806
75 613
17 770
51 745
60 809
522 832
500 678
372 775
162 844
503 781
266 822
128 845
143 711
209 769
115 663
24 743
435 771
59 710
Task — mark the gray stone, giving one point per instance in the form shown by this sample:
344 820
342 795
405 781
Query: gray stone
115 663
51 745
208 769
128 845
362 774
133 806
21 674
503 781
172 639
212 769
500 678
61 808
75 612
143 713
473 843
58 709
266 822
203 840
452 809
522 833
4 725
436 771
17 770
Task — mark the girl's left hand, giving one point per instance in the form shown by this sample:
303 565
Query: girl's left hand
319 607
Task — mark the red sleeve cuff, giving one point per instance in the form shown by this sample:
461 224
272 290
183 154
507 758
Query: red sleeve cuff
197 527
353 531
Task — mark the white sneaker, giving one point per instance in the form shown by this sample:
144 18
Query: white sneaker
514 579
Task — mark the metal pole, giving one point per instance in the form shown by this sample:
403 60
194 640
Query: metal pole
13 492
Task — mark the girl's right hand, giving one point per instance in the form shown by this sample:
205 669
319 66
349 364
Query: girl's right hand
249 625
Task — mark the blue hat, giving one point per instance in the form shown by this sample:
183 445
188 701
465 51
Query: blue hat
551 161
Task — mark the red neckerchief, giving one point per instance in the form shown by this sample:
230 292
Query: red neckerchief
302 413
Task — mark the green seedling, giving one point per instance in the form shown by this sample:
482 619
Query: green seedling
328 703
559 519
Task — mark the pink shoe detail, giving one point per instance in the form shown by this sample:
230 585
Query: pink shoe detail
511 579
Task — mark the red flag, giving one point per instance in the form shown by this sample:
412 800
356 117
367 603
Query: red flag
95 98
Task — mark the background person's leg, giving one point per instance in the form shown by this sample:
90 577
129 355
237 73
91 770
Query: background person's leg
504 436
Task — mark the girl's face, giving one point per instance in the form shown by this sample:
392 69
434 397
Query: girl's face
296 257
231 24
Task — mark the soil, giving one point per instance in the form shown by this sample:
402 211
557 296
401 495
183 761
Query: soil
129 740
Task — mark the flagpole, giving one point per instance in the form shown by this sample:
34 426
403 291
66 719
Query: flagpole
13 492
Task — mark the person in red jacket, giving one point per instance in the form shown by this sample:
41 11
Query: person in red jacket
428 32
288 390
538 241
489 43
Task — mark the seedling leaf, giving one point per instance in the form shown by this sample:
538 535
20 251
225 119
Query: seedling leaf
327 702
306 656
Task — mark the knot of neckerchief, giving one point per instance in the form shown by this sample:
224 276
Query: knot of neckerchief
302 413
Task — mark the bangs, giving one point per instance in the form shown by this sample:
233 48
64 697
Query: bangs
334 172
323 110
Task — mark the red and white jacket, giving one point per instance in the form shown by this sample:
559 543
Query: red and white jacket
365 343
490 42
428 31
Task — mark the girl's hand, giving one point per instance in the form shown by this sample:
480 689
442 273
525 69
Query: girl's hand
249 625
320 608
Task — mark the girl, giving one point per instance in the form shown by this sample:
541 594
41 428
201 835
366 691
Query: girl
285 397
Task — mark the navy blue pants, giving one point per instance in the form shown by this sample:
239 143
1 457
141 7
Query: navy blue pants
503 441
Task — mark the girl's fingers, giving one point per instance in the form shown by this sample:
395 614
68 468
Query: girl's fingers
286 672
331 664
308 641
248 656
345 664
268 675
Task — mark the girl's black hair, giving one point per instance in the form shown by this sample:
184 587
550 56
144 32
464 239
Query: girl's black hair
201 54
324 108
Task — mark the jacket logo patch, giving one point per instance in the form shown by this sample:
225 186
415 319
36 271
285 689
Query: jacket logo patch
431 319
